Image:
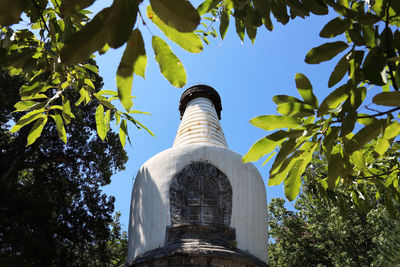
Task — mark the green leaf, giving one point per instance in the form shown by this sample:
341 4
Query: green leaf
358 159
134 57
305 89
206 6
325 52
250 28
279 10
368 33
278 176
268 158
272 122
295 109
315 6
223 26
335 164
170 66
87 40
36 130
123 132
293 181
10 11
60 127
240 28
335 27
100 123
280 99
263 9
28 118
189 41
66 112
70 6
348 123
139 125
392 131
264 146
297 9
340 70
179 14
357 97
391 99
286 148
366 134
120 21
24 105
381 146
374 67
333 100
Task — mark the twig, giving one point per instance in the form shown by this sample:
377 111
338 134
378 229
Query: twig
390 65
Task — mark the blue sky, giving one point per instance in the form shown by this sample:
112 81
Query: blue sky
246 76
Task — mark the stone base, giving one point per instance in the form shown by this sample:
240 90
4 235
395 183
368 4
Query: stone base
196 254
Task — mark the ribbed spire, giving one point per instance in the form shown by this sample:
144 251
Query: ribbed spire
199 106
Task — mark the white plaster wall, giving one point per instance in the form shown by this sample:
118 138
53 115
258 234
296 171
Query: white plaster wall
150 216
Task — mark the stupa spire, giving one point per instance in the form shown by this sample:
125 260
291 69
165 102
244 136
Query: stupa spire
200 108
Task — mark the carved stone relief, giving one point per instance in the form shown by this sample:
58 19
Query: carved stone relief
200 194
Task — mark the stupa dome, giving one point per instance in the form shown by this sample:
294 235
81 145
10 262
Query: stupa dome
197 202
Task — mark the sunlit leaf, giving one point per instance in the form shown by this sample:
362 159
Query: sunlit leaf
179 14
340 70
280 99
366 134
134 57
28 118
325 52
60 127
295 109
293 181
206 6
358 159
36 130
333 100
170 66
189 41
100 123
272 122
335 165
123 132
305 89
264 146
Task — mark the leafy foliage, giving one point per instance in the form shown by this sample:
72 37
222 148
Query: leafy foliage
359 142
317 233
53 212
52 56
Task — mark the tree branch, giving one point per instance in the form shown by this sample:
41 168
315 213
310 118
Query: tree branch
379 114
388 51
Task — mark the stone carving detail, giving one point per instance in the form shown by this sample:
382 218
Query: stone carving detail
200 194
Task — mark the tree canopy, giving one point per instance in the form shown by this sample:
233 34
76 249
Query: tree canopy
53 212
317 234
52 48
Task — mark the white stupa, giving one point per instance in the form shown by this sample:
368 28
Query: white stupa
197 204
